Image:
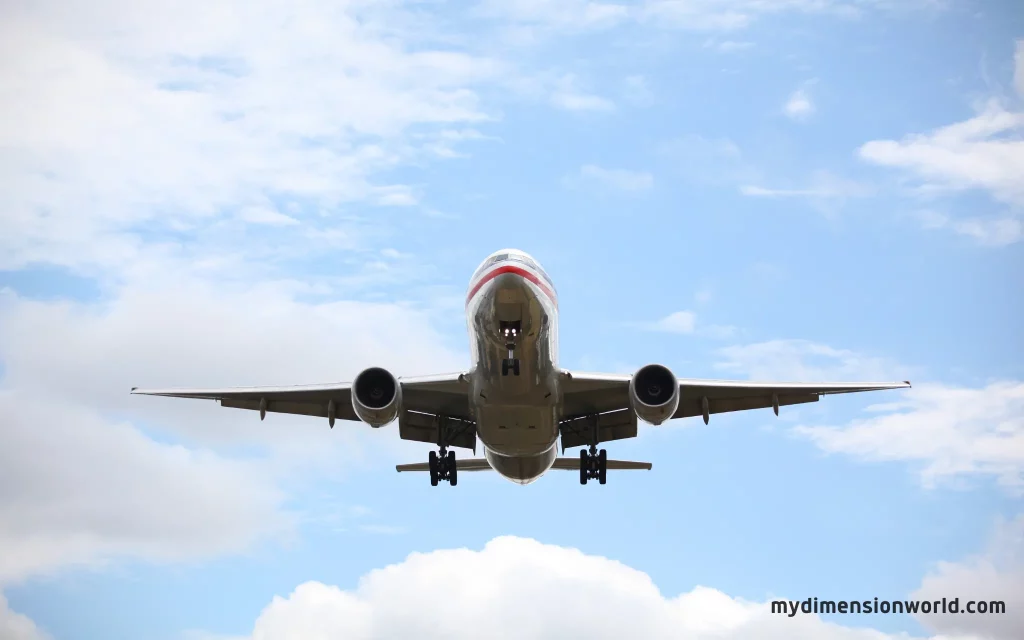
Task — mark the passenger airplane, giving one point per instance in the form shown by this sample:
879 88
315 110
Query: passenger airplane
515 398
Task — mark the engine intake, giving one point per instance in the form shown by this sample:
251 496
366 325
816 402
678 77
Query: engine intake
376 397
654 394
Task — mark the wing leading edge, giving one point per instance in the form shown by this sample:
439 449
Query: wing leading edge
607 396
423 399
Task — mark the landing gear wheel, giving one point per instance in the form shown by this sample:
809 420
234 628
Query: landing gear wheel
432 461
453 471
602 466
584 466
510 364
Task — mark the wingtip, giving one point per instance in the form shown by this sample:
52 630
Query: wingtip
907 382
133 389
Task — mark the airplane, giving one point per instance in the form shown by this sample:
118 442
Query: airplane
515 398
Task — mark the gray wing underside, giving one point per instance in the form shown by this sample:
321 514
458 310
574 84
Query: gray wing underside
607 397
424 399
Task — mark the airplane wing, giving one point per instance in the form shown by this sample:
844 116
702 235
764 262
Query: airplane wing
423 398
607 395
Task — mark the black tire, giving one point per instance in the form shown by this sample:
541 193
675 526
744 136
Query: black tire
432 461
584 463
504 367
453 471
602 466
515 367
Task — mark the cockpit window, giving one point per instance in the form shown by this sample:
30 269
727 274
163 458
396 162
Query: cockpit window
489 262
532 263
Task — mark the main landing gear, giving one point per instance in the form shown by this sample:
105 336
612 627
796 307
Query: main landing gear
442 467
441 464
593 465
510 332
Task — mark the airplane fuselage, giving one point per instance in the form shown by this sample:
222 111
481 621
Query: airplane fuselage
512 302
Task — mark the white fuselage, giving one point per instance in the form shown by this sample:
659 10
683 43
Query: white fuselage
517 416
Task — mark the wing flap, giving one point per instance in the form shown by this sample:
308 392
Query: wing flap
424 427
614 425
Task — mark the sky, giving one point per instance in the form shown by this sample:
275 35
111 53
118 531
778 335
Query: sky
270 193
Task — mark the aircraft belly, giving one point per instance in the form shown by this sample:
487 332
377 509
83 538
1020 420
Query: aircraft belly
522 469
517 430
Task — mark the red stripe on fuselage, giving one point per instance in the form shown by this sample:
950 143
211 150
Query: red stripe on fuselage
519 271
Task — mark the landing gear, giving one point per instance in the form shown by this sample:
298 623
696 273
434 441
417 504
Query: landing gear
593 465
442 467
510 333
441 464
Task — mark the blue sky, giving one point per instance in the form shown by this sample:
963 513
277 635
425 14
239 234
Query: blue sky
260 193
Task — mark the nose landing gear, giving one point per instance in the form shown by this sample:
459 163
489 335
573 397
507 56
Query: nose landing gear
510 333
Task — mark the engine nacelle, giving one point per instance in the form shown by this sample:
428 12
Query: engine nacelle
654 394
376 397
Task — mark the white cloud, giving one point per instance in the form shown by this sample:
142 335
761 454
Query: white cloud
678 322
952 431
826 191
192 333
571 15
1018 73
799 106
90 488
979 153
617 179
531 18
266 215
824 186
995 575
805 361
569 96
992 231
112 118
733 15
728 46
983 153
94 483
14 626
520 588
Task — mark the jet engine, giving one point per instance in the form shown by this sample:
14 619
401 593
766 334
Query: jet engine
654 394
376 397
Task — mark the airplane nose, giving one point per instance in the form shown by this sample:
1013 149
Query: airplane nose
510 288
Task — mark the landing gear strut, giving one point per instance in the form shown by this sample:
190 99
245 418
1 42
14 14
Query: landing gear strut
442 463
594 463
510 332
